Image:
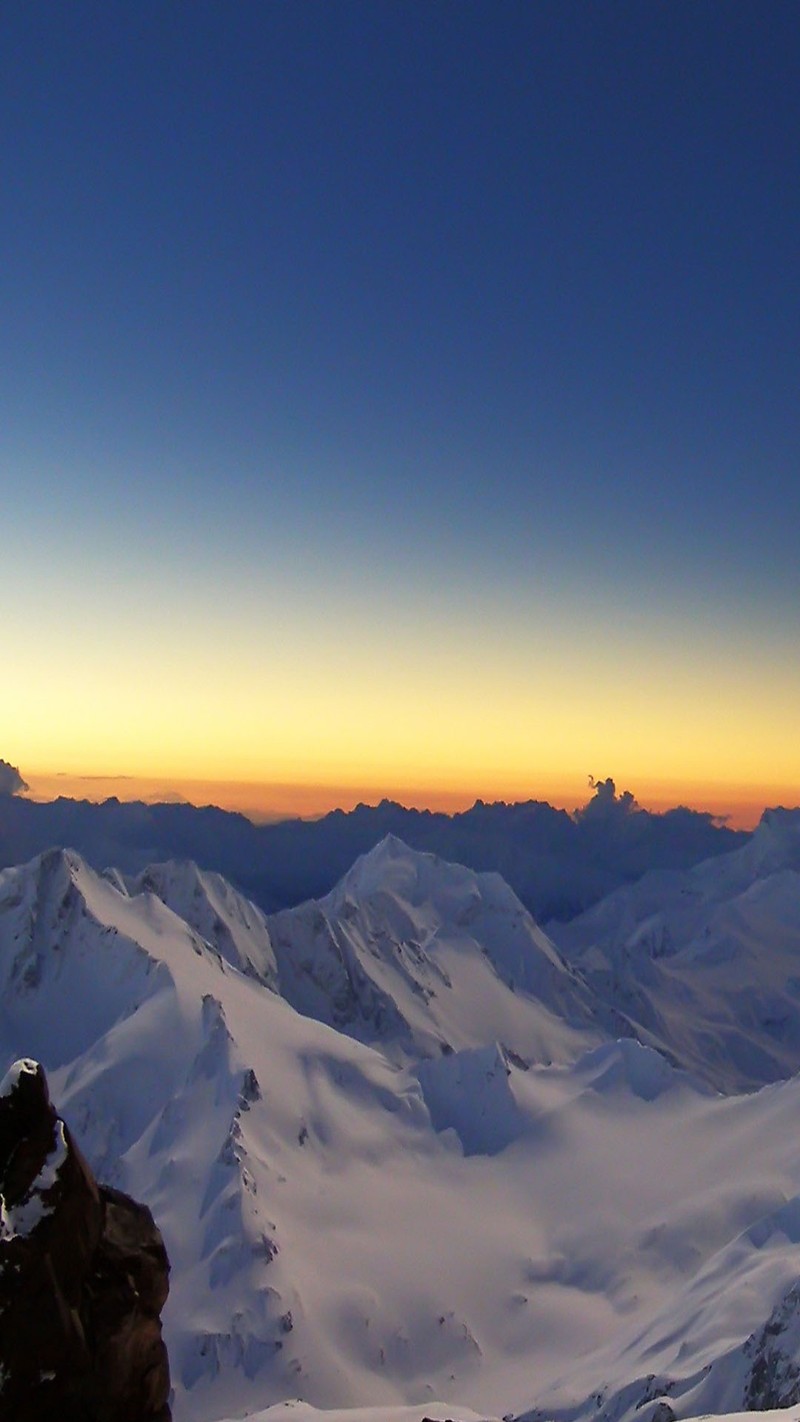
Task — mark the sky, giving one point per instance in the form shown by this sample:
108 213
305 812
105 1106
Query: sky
401 396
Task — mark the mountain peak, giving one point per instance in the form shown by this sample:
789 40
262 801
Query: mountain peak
780 823
776 841
57 861
389 866
424 884
57 876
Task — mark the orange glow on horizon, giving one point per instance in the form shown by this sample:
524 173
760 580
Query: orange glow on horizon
740 805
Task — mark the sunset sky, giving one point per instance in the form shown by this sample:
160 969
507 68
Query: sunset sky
401 396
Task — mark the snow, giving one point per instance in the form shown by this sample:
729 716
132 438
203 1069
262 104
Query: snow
20 1220
779 1414
404 1162
471 1093
24 1067
296 1411
704 965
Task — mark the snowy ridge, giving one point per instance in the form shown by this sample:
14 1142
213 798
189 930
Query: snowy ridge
704 965
775 845
225 919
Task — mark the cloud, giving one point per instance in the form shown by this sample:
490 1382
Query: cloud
11 782
606 803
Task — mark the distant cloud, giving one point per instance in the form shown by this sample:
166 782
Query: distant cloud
606 803
11 782
79 779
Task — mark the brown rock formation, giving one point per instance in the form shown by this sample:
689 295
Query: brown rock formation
83 1277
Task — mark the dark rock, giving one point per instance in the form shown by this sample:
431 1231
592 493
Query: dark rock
83 1277
774 1377
662 1412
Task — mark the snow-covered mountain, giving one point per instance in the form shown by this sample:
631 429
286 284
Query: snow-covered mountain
427 957
412 953
706 964
396 1161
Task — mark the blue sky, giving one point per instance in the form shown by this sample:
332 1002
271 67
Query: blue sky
368 322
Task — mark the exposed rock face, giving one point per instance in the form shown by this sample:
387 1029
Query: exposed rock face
774 1377
83 1277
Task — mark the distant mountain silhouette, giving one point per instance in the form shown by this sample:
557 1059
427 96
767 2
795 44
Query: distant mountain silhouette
557 863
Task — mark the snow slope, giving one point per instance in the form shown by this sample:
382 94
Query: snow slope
573 1229
706 964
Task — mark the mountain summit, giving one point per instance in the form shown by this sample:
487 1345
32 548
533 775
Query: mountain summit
425 957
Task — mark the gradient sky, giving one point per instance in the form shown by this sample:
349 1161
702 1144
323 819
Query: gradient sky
402 393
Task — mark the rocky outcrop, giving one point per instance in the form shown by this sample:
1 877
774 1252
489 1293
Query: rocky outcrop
83 1277
774 1377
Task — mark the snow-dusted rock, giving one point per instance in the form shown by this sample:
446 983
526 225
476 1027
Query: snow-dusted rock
83 1277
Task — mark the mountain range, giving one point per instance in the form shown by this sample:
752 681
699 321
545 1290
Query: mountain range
409 1150
557 863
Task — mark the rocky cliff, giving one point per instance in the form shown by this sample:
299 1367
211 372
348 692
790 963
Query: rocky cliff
83 1277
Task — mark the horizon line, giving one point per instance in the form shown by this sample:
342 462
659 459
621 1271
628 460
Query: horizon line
262 801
